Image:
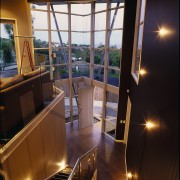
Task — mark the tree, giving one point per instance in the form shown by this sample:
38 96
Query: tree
7 45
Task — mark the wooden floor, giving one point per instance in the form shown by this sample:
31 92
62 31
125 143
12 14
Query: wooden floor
111 155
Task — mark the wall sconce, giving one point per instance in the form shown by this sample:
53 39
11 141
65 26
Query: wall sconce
163 32
142 72
61 165
150 125
129 175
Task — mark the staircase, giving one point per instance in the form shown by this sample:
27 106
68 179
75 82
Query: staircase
65 173
84 169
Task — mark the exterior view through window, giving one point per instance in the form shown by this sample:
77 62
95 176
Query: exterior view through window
8 64
81 40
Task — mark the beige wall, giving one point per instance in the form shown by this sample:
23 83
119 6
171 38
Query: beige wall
20 11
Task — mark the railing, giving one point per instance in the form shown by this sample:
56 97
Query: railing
85 166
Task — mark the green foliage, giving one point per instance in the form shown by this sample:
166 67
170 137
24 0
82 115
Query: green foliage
9 30
114 58
7 45
8 50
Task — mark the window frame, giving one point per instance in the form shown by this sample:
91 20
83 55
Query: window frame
138 24
16 40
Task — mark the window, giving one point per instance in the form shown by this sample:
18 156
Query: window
138 39
87 41
8 59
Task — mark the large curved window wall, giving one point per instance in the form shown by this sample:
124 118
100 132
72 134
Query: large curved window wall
81 40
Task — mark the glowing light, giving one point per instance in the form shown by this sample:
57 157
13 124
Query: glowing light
164 31
150 125
142 72
62 165
129 175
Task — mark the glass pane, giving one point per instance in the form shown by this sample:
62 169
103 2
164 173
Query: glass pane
114 58
116 39
39 20
142 13
56 40
8 64
137 62
100 21
60 8
97 103
111 115
99 39
79 69
140 36
99 56
61 56
80 54
39 6
112 99
81 38
79 23
61 72
62 21
100 6
41 56
67 116
118 23
99 73
110 121
75 107
41 39
81 8
113 77
110 128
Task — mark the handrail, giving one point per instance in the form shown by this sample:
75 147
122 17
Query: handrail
78 161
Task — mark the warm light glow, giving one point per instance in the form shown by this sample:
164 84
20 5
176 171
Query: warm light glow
129 175
164 31
142 72
61 165
150 125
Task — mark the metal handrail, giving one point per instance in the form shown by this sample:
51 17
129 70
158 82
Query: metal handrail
79 160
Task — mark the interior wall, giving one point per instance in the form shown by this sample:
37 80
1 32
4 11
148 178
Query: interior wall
20 11
154 154
126 60
39 149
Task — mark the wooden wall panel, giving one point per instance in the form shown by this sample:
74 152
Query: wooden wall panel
86 104
154 154
38 149
37 153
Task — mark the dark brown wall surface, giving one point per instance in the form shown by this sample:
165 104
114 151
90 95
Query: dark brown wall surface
153 155
127 49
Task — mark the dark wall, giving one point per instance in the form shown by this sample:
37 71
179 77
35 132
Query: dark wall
154 154
127 49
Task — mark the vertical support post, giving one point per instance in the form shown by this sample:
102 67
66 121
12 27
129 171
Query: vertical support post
92 40
70 62
50 40
106 59
59 35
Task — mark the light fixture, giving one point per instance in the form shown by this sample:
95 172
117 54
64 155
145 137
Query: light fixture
129 175
164 31
142 72
150 125
61 165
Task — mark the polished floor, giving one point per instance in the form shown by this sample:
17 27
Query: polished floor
110 157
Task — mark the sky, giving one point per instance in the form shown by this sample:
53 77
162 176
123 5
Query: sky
77 24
